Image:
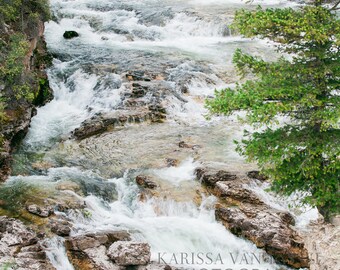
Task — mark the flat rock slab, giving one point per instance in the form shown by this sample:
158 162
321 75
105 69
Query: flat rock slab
245 214
21 247
130 253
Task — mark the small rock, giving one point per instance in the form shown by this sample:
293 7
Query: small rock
130 253
40 211
145 182
21 245
211 178
80 243
70 34
61 229
183 144
171 162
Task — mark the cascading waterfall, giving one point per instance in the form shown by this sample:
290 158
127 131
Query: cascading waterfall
191 40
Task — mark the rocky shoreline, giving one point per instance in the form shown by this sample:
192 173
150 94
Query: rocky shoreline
107 145
19 112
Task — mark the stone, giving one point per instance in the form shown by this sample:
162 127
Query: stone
171 162
267 231
145 182
183 144
40 211
129 253
80 243
243 213
70 34
108 121
234 192
21 246
89 251
61 229
323 243
210 178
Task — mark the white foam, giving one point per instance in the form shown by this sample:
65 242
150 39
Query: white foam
182 172
304 214
55 251
169 227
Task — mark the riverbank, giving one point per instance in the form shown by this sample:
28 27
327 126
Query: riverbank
23 79
111 160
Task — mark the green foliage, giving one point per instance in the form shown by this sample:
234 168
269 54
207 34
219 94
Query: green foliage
12 69
3 116
10 10
303 153
16 10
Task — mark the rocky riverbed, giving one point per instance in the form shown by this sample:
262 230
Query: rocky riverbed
122 169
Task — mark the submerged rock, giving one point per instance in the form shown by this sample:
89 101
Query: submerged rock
130 253
145 182
245 214
70 34
171 162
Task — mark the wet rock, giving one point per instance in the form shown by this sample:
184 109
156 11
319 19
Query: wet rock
183 144
21 246
267 231
61 228
257 175
130 253
211 177
12 132
145 182
89 251
235 193
82 242
40 211
245 214
108 237
106 122
171 162
70 34
137 76
138 90
287 218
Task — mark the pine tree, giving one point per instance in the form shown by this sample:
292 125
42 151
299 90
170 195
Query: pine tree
303 152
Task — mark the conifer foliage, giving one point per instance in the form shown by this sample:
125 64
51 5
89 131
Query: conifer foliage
303 152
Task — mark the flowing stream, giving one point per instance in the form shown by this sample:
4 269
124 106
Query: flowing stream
186 44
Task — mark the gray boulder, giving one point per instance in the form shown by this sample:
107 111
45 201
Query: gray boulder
129 253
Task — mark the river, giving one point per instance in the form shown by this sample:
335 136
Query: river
182 46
